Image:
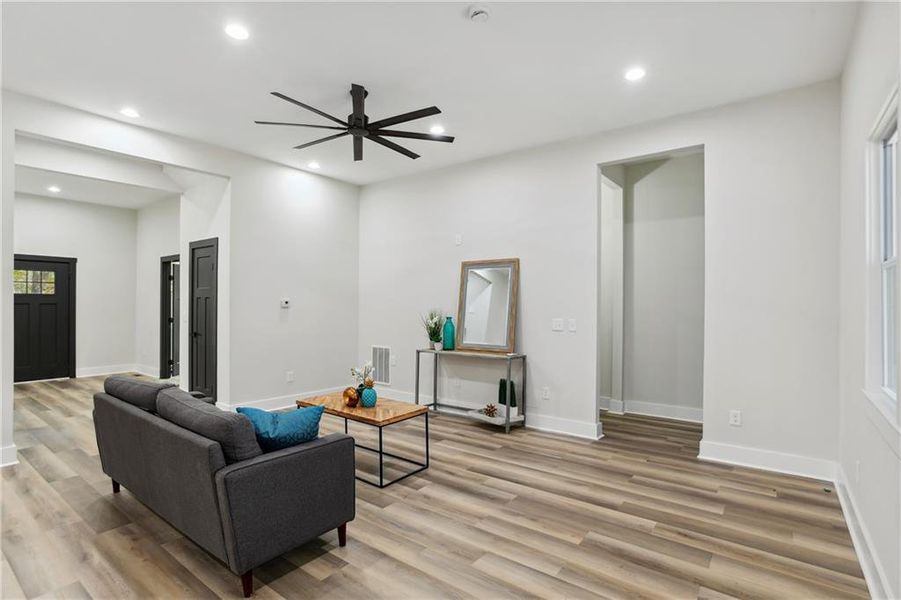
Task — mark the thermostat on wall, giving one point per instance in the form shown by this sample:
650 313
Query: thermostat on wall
285 303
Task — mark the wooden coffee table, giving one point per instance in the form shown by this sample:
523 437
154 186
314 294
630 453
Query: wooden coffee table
385 412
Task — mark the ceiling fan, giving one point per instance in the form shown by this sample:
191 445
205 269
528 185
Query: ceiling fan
359 126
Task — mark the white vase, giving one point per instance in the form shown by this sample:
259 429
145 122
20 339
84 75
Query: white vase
437 345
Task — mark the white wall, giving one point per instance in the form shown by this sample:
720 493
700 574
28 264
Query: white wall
663 316
285 228
102 238
771 339
870 440
157 236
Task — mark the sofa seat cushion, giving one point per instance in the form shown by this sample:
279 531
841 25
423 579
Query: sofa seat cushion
136 391
234 432
276 431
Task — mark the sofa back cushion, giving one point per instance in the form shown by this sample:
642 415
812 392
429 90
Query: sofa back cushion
137 392
234 432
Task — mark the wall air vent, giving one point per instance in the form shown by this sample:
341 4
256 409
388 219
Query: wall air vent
381 362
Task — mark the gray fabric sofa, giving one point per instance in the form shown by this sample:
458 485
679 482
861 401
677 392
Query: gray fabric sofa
201 469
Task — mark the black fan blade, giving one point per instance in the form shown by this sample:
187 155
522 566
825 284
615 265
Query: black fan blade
358 148
358 94
413 135
301 125
410 116
392 145
308 107
319 141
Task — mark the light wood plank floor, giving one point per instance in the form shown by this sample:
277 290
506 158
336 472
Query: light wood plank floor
496 516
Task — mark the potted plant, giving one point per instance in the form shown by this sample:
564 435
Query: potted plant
433 323
365 384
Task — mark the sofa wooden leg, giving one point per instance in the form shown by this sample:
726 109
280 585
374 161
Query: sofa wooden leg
247 583
342 534
115 486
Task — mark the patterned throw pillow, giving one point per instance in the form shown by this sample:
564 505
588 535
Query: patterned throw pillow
282 430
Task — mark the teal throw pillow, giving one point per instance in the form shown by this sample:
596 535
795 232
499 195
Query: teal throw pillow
277 430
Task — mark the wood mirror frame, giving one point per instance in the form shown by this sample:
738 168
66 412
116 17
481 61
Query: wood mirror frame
466 266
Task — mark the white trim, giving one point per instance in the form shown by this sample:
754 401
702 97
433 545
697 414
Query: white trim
769 460
582 429
611 405
107 370
873 572
667 411
279 402
147 370
8 456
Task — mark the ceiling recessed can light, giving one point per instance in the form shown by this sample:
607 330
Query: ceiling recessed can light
437 129
635 74
130 112
53 189
237 31
313 165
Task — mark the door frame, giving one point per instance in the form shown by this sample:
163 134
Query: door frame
214 244
165 270
72 262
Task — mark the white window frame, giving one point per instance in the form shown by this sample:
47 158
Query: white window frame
878 263
888 250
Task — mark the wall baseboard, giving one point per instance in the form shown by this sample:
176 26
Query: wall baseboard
8 456
611 405
667 411
105 370
280 402
582 429
873 572
147 370
768 460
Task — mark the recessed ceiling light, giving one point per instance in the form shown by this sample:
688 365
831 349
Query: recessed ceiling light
437 129
54 189
237 31
635 74
130 112
313 165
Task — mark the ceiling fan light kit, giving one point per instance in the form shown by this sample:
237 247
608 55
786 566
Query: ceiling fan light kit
359 126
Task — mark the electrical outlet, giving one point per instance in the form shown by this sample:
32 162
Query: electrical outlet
556 324
545 393
458 239
393 361
289 376
735 418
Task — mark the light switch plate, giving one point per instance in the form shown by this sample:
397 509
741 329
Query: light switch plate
572 325
556 324
289 376
735 418
458 239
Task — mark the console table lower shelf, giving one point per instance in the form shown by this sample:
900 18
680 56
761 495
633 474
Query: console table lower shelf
386 412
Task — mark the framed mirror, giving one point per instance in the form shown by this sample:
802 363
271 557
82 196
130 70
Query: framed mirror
486 312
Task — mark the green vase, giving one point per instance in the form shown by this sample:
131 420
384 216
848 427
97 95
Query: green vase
450 333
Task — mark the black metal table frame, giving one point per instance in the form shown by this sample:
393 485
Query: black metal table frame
382 454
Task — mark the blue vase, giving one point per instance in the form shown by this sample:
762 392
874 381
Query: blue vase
368 398
450 333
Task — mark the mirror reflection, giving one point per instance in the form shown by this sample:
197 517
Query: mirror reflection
487 305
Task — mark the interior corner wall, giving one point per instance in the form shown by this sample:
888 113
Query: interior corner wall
870 444
771 212
102 238
663 287
157 236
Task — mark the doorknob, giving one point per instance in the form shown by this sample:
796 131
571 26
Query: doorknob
195 334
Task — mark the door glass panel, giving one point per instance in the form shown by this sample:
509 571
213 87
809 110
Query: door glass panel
48 276
48 288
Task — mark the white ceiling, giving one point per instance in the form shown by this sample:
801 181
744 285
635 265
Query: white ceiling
33 181
533 73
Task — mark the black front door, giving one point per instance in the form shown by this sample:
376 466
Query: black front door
203 274
44 323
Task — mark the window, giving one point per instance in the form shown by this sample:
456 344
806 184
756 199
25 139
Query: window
34 282
888 201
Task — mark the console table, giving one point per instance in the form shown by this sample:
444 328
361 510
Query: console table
506 421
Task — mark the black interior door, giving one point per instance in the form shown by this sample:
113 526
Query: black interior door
204 294
170 323
44 322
